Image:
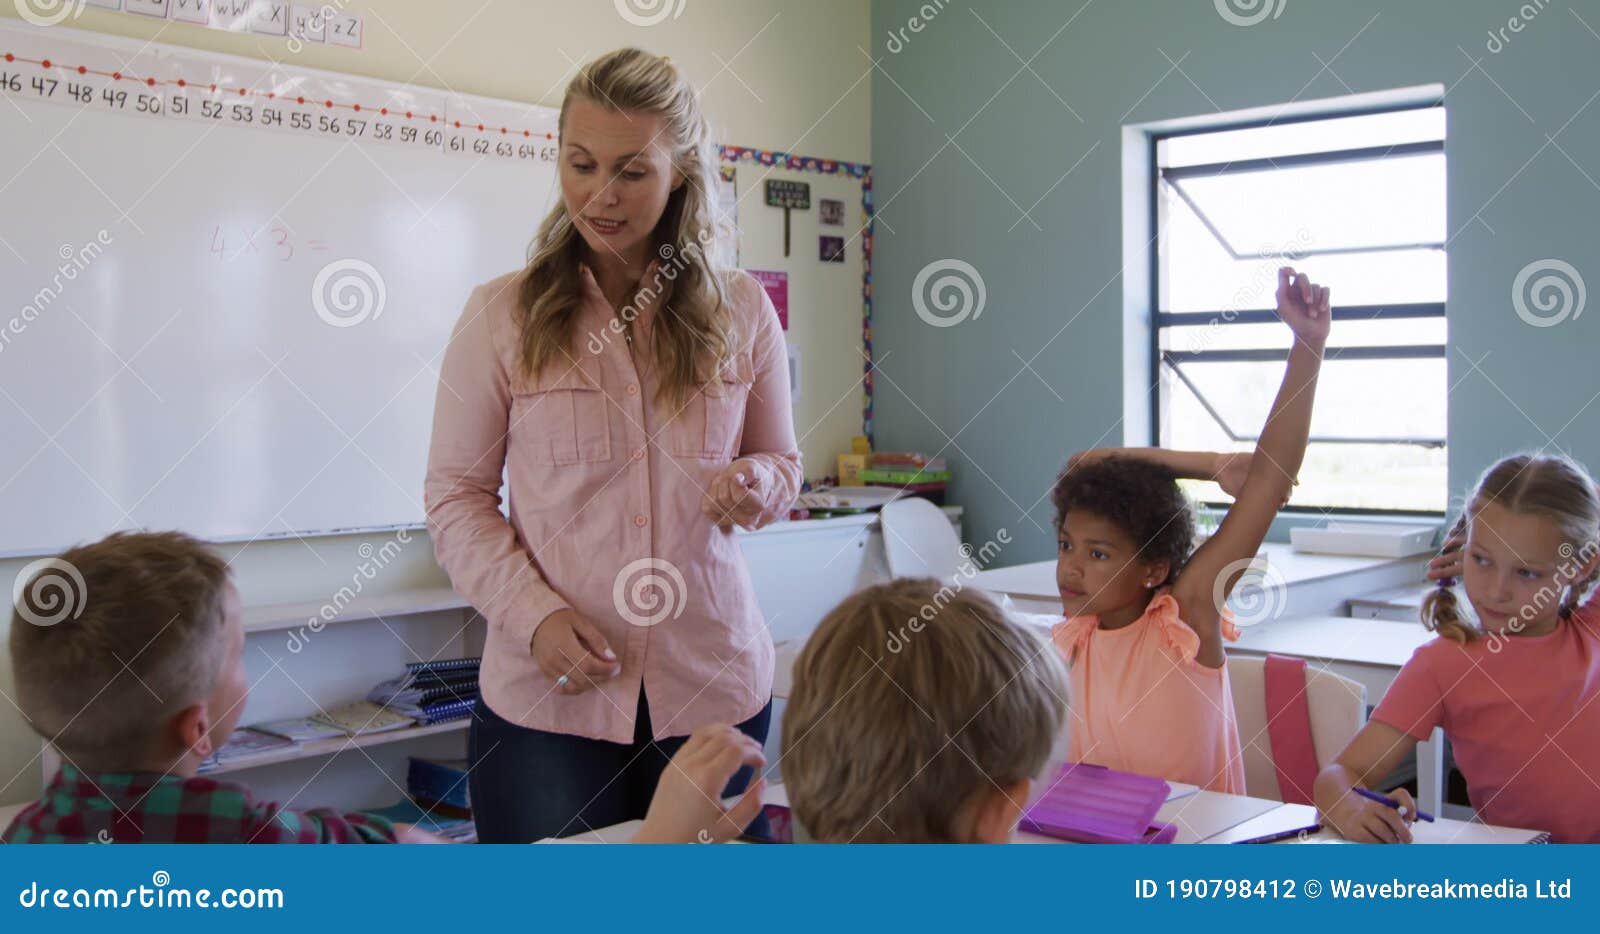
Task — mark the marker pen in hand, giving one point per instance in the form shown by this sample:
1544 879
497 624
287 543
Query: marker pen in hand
1387 801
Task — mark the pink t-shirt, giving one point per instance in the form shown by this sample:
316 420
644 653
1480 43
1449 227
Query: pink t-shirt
1522 719
1141 703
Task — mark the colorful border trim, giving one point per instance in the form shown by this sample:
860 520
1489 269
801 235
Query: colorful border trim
863 171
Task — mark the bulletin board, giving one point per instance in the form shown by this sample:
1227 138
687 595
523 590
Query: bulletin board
830 303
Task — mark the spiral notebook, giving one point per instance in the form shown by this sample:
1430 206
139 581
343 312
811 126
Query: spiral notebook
443 664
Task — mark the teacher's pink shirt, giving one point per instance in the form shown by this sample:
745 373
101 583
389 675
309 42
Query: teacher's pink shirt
605 511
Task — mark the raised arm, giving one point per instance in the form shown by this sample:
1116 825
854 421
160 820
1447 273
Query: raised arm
1226 469
1187 465
1305 308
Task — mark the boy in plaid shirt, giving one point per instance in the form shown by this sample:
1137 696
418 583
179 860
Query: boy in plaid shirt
139 675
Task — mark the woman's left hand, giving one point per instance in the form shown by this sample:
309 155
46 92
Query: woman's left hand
734 496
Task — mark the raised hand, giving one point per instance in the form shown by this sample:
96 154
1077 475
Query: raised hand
1304 307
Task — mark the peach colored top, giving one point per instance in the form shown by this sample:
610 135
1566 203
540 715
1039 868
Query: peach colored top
605 513
1141 703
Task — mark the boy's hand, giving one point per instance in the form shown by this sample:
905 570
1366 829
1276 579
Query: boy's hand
1304 307
687 806
1362 820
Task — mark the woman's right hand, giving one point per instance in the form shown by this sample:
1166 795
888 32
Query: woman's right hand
567 645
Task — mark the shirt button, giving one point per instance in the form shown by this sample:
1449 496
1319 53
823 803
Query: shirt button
638 453
633 390
640 521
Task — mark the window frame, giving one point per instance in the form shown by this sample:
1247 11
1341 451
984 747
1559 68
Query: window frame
1159 320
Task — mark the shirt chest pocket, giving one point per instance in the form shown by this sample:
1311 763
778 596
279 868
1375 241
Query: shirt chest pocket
711 423
560 417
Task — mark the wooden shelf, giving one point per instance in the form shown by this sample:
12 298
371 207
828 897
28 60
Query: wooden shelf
279 616
335 745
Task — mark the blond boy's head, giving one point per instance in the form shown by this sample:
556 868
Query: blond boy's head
127 653
919 714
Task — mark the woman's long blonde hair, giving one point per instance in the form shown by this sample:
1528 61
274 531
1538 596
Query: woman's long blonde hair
692 324
1552 486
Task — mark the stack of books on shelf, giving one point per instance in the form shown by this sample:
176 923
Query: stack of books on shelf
916 474
424 694
431 692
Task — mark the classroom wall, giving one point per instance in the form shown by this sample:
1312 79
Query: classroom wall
825 304
774 75
963 150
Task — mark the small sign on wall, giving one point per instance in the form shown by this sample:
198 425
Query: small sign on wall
830 211
776 285
782 193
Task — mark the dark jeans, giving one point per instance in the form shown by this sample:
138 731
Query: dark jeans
530 784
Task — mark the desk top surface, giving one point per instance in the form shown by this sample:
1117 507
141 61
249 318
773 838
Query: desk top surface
1202 817
1038 579
1379 642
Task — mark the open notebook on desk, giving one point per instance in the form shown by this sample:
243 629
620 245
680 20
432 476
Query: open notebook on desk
1294 816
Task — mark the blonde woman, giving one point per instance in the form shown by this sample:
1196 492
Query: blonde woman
636 398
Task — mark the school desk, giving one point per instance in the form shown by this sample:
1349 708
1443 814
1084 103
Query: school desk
1309 583
1201 816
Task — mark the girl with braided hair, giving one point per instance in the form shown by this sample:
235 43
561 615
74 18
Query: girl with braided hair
1514 673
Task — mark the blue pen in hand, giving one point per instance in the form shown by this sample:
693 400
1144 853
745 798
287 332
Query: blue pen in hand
1390 802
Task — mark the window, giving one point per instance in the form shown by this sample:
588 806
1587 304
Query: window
1356 201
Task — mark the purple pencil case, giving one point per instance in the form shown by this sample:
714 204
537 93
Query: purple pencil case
1094 804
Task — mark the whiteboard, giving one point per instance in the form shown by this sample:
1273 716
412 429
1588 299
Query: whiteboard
224 312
